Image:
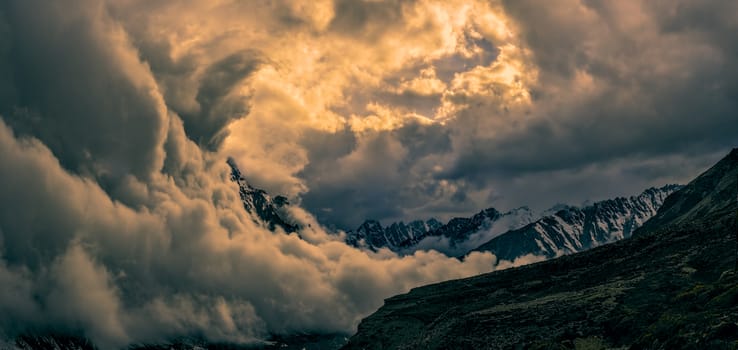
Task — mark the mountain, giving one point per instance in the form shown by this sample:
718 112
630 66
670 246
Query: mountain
432 234
672 285
709 196
572 229
489 220
517 233
396 236
259 203
508 235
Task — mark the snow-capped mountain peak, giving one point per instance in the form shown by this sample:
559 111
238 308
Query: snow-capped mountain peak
572 229
455 237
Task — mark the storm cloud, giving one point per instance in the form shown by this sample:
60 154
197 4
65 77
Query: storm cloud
121 224
119 221
617 95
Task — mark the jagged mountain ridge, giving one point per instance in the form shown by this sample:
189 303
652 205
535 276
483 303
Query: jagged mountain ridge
574 229
510 234
401 237
259 203
372 235
672 285
517 232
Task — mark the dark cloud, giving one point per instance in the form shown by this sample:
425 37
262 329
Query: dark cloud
375 162
117 226
205 94
652 93
73 260
379 174
629 95
368 19
218 102
84 98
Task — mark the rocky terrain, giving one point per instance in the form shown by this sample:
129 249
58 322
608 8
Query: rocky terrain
458 234
673 285
397 236
517 232
508 235
263 208
572 229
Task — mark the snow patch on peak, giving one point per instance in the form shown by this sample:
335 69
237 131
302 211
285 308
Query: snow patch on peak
454 238
572 229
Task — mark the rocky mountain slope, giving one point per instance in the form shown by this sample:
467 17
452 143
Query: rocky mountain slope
671 285
257 202
573 229
517 232
371 234
406 238
509 235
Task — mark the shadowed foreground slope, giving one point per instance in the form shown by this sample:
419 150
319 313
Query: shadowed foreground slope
670 286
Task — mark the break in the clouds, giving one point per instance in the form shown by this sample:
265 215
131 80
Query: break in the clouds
118 218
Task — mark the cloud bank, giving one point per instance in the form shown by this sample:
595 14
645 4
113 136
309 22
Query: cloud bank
185 261
120 224
119 221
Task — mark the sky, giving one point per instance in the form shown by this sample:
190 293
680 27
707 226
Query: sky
116 118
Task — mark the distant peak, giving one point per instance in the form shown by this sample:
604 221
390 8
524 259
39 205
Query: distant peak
259 203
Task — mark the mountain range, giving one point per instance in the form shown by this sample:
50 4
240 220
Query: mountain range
517 232
575 229
672 285
455 237
508 235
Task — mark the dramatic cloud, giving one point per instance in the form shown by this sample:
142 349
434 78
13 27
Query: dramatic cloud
117 226
119 220
187 261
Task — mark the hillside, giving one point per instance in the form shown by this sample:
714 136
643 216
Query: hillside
670 286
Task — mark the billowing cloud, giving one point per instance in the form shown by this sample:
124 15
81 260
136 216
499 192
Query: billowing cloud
119 221
187 261
56 92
